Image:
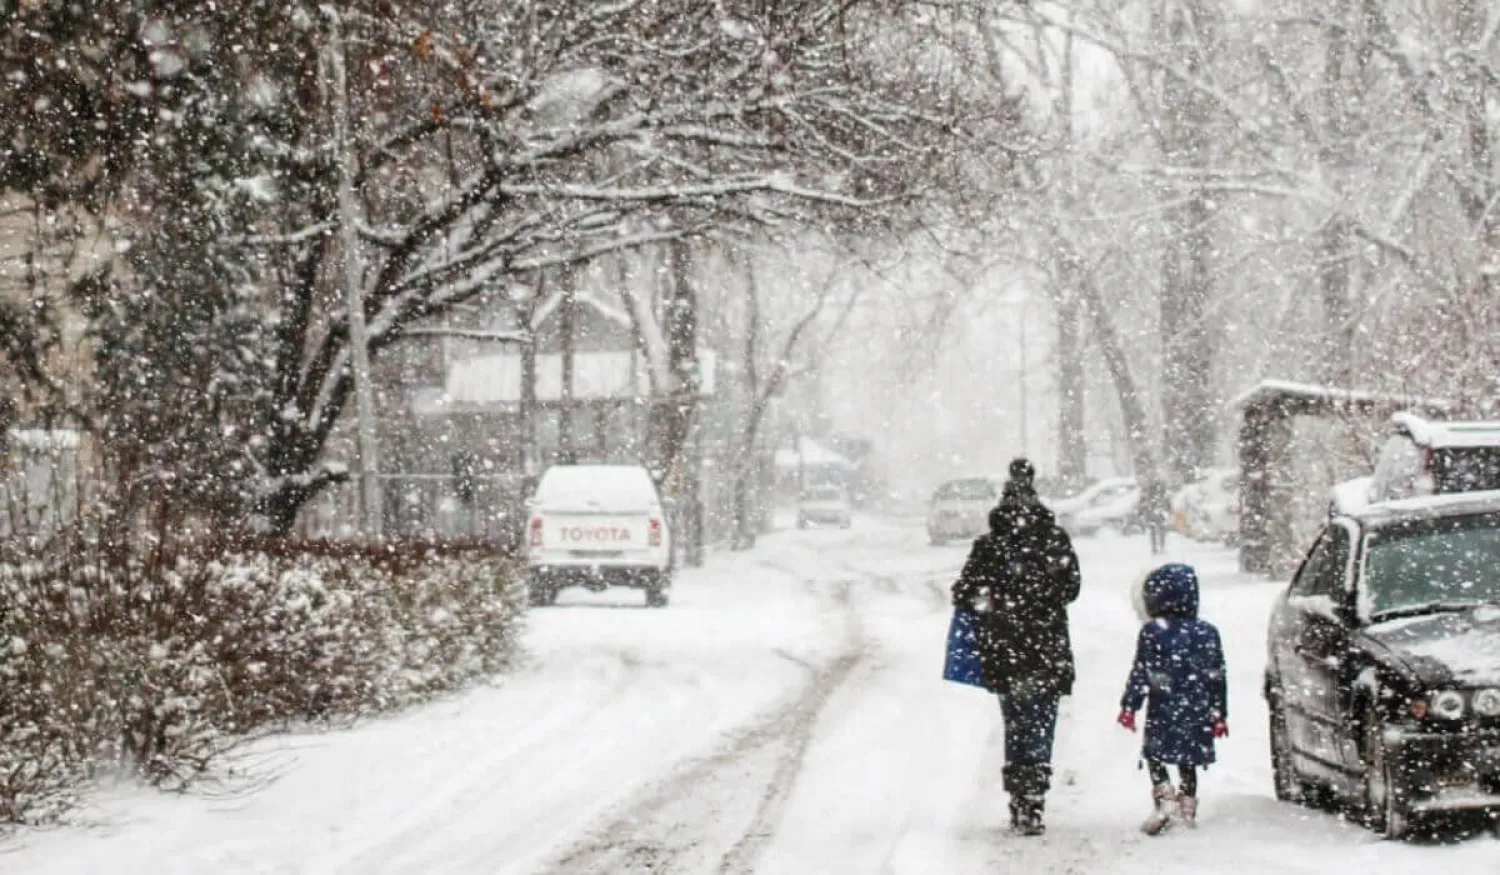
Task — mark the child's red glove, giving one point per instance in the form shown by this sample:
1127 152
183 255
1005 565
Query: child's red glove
1126 719
1221 729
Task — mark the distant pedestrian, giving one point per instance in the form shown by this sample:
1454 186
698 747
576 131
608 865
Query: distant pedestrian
1179 674
1019 579
1156 506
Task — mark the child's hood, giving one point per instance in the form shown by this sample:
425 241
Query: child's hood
1172 591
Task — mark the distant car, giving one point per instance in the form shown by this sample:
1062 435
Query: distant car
1108 504
960 509
598 526
825 505
1383 669
1436 457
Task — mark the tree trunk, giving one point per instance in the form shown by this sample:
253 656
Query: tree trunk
1187 351
526 407
1072 444
567 446
1112 348
1338 310
1481 356
678 410
1335 362
744 524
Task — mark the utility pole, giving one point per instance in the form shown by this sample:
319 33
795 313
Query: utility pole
371 510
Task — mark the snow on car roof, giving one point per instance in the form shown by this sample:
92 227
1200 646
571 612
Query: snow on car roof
1440 433
1426 507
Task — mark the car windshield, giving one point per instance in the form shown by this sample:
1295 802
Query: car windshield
1467 469
1432 565
966 490
827 493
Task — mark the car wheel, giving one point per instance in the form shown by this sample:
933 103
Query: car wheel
658 584
541 593
1385 810
1289 785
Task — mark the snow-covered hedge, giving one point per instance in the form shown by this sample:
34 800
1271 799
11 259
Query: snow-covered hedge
159 663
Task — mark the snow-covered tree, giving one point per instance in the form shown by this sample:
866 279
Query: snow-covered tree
488 140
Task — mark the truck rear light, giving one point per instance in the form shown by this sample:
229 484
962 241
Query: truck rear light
536 531
654 536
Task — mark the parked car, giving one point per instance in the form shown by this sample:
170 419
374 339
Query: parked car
825 505
1383 668
1349 496
1112 503
1436 457
1177 516
960 509
598 526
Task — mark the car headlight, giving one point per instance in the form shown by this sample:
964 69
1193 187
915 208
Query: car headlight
1487 703
1447 705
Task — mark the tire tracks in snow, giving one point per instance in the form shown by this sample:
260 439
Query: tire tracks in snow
717 812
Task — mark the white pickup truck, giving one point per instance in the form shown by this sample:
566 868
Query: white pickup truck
598 526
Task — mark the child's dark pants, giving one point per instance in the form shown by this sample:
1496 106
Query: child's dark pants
1187 777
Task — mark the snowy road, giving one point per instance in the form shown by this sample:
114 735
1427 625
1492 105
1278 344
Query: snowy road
783 716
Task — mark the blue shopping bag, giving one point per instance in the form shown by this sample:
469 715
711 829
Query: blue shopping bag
962 662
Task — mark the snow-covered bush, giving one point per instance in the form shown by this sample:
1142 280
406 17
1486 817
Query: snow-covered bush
158 662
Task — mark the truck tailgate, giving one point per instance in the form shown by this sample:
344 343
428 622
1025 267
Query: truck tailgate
596 533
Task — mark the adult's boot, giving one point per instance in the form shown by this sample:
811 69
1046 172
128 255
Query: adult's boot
1027 784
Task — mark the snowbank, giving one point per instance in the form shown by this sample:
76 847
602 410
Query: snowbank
158 665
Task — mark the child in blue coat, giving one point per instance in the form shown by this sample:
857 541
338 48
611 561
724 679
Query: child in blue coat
1179 675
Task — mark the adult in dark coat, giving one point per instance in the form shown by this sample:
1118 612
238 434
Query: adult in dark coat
1019 579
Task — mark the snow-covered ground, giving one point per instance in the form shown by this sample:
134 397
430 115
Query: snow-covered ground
784 715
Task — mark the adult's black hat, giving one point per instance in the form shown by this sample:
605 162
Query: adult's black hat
1021 470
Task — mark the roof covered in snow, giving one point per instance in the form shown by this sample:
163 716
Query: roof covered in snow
1269 389
491 381
588 299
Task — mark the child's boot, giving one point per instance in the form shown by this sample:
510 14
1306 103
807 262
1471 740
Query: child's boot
1187 809
1164 796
